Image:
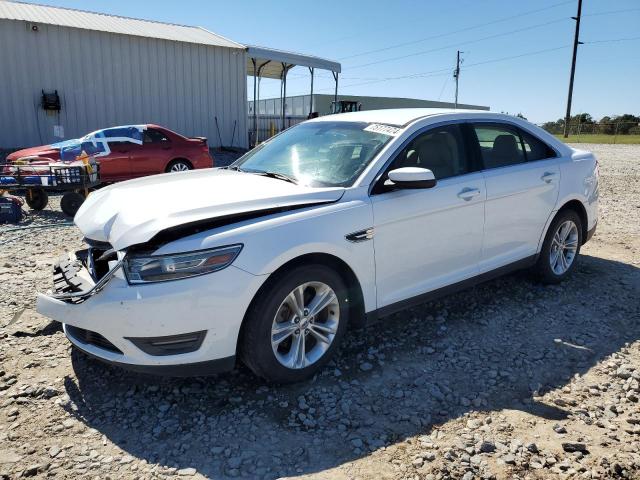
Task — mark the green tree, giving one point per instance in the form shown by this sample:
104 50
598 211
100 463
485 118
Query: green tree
556 127
626 122
605 125
582 119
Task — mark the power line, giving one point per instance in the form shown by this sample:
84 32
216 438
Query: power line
611 12
453 45
340 39
466 29
446 81
447 70
612 40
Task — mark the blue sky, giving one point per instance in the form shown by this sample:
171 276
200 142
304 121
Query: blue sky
516 53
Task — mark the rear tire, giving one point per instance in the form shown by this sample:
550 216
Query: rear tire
37 198
287 337
178 166
70 203
561 247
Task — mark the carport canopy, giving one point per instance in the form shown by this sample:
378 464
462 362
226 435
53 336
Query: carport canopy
275 62
270 63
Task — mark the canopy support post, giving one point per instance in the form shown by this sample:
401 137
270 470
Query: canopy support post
285 70
283 90
311 69
335 94
255 104
256 96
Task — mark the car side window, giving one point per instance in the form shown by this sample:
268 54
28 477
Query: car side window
500 146
536 149
440 149
154 136
120 146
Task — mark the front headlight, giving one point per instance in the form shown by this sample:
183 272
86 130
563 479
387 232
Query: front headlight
160 268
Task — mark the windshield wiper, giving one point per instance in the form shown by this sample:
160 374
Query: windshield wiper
278 175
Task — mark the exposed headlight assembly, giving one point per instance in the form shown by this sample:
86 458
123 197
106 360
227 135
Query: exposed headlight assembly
174 266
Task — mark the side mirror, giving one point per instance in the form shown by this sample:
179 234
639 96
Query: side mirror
411 177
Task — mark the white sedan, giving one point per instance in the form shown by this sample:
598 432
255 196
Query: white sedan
331 224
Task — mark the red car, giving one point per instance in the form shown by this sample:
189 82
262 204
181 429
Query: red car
129 152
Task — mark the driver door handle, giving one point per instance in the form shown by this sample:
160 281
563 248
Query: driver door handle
468 193
548 176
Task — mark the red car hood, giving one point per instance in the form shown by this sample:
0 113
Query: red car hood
43 151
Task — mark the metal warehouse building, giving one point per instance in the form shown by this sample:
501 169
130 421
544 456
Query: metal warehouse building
302 105
65 73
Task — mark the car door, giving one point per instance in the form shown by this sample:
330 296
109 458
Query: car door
522 177
116 165
428 238
153 155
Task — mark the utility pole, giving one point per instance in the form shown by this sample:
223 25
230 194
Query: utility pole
576 42
456 75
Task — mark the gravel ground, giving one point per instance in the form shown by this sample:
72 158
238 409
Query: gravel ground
511 379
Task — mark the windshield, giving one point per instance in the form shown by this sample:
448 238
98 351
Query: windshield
323 154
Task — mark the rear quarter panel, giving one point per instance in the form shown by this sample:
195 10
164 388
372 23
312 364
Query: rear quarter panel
579 181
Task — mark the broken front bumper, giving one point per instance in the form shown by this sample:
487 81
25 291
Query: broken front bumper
181 327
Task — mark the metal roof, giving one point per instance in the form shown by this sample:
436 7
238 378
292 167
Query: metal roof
66 17
273 61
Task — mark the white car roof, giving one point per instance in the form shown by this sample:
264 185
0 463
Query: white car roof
399 116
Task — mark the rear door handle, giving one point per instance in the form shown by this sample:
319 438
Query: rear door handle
468 193
548 176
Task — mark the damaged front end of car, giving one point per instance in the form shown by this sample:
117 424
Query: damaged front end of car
80 275
139 311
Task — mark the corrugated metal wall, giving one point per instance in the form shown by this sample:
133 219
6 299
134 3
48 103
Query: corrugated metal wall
106 79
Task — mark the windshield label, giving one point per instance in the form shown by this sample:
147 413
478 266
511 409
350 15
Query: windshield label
383 129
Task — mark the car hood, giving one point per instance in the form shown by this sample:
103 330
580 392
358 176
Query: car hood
133 212
42 151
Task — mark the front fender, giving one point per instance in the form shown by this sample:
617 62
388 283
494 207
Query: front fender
273 241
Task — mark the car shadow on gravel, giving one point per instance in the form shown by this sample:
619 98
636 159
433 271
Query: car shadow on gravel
494 347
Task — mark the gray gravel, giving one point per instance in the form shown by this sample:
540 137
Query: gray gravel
509 380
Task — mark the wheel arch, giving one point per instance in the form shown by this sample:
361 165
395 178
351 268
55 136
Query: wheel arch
578 207
571 204
356 296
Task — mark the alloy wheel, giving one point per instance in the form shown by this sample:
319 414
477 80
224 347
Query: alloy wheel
179 167
305 325
564 247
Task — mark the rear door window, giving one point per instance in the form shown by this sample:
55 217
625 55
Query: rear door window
500 145
154 136
536 149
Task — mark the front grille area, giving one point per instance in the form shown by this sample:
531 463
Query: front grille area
65 276
97 258
91 338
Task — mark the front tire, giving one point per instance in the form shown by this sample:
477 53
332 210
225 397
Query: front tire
561 247
295 325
